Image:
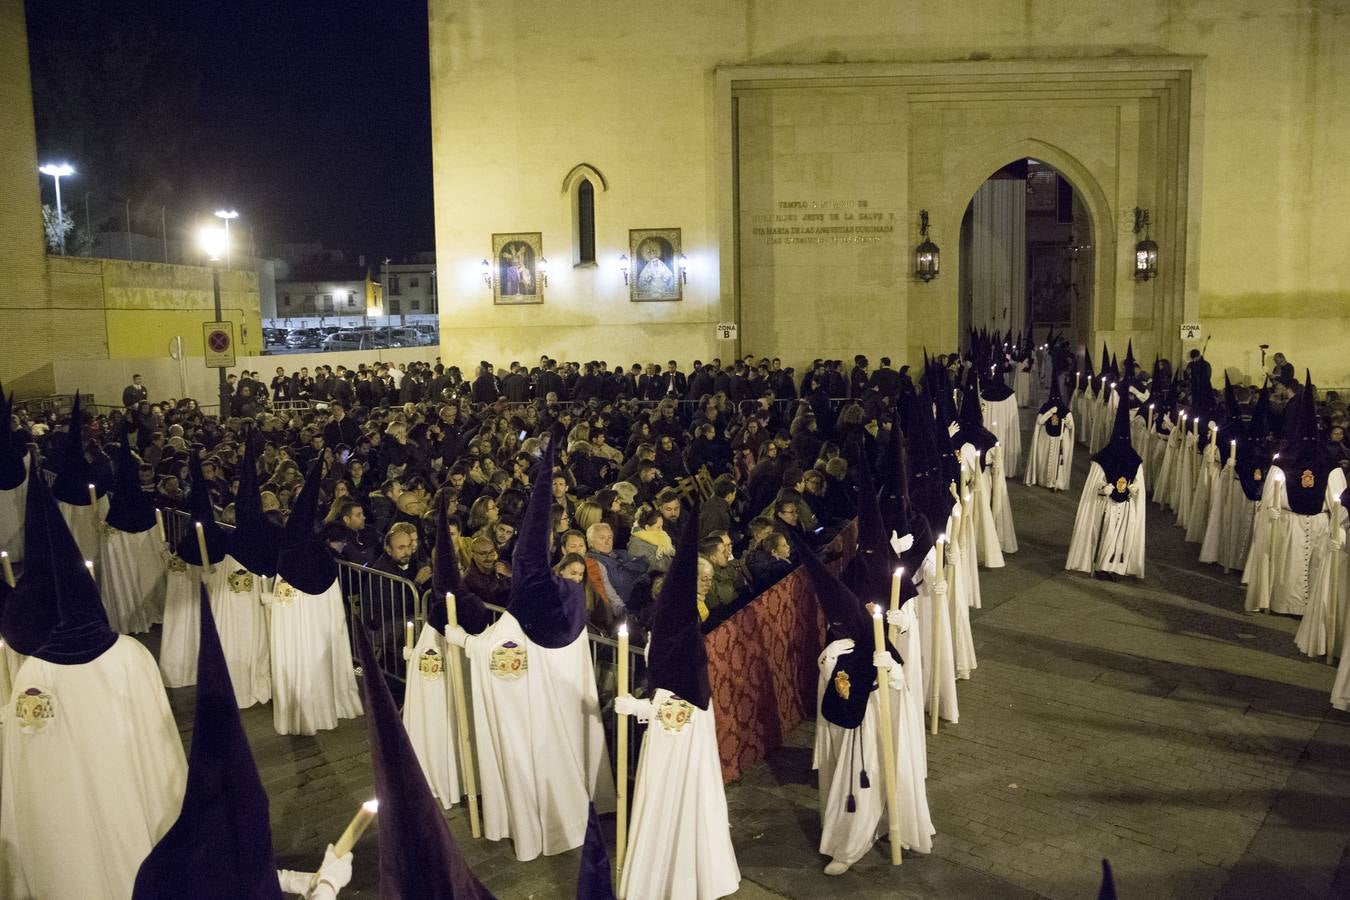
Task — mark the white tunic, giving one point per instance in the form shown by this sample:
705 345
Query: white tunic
1206 473
679 837
1002 419
979 482
541 745
241 621
1228 532
83 522
94 774
1286 546
841 755
132 579
313 682
1050 463
429 715
1108 536
943 645
182 624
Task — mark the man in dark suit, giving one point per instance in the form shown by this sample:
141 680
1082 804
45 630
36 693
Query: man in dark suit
516 386
340 429
886 380
485 387
133 393
673 382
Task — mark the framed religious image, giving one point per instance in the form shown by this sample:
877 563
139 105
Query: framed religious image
515 264
655 255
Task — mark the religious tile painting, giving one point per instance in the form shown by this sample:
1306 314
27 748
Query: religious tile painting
516 268
655 255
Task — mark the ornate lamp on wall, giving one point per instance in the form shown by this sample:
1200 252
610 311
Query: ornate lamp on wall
543 271
1146 251
683 263
624 267
927 256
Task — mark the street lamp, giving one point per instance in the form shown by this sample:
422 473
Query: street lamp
227 215
215 242
59 171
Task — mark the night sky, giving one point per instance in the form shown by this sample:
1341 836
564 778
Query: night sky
311 118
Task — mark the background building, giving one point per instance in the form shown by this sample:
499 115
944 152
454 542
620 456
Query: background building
795 148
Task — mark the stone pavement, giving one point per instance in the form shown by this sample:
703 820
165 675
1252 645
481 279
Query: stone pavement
1155 724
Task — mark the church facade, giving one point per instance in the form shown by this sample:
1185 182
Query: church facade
782 152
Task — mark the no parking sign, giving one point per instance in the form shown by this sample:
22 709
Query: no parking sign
218 338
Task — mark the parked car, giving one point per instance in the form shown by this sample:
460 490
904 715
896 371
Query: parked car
406 337
349 340
304 339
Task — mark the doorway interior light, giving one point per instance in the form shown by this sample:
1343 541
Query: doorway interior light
927 256
1146 251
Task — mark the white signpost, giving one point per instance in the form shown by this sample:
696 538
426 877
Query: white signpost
726 331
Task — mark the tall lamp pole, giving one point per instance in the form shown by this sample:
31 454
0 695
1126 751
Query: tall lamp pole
227 215
59 171
216 243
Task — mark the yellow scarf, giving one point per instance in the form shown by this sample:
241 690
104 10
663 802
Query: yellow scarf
658 538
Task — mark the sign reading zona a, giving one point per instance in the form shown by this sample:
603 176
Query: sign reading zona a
218 339
1190 331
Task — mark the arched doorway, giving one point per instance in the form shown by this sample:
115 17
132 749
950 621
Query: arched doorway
1027 255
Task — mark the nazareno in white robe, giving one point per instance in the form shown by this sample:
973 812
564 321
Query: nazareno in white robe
182 624
1164 493
1328 604
94 774
12 504
241 621
313 681
132 579
1206 471
1340 581
944 670
1228 532
1153 458
1022 385
1003 421
1103 420
1108 536
1285 547
429 715
1188 463
1050 464
847 836
679 834
84 522
541 745
980 482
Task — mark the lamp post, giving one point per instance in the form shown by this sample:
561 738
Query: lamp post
227 215
58 171
215 242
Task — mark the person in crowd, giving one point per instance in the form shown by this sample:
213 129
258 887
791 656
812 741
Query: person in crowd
625 571
135 393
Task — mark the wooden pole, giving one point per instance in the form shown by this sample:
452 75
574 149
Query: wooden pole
621 760
462 721
896 580
887 737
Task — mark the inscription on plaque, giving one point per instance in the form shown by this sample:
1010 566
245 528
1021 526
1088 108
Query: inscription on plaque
822 222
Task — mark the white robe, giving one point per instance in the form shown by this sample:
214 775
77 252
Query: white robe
132 579
1050 463
182 624
679 835
908 639
1188 463
1327 607
429 715
1285 547
1206 472
241 620
1022 386
541 746
1108 536
1153 458
945 669
841 755
994 480
94 774
1103 420
12 505
83 522
1003 420
1340 691
979 482
1164 493
1228 532
963 594
313 682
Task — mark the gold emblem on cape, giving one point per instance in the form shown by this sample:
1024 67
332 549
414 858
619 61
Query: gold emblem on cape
107 529
1256 474
34 710
674 714
1054 418
841 684
241 581
1122 485
509 660
430 664
1306 479
285 594
176 564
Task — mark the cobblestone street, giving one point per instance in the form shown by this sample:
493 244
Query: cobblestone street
1155 724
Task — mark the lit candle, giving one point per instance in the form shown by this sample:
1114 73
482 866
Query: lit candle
621 758
408 633
93 496
357 827
89 564
887 737
159 523
201 547
1232 447
937 545
9 570
1150 416
895 587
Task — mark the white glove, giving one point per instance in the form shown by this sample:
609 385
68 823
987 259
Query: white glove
1105 490
456 635
407 652
883 660
294 882
628 705
1134 489
897 618
1275 513
1337 538
335 872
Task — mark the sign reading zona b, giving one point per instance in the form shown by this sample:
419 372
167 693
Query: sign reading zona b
218 339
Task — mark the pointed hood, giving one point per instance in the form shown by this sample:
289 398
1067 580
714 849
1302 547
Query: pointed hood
928 468
1108 888
1303 458
868 573
971 422
220 848
305 562
81 633
551 610
1106 359
1253 450
256 539
418 857
472 615
1130 367
30 610
131 509
74 473
1118 459
594 881
1055 405
217 542
677 659
12 450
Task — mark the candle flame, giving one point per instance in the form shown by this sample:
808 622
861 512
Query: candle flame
623 629
900 572
371 806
